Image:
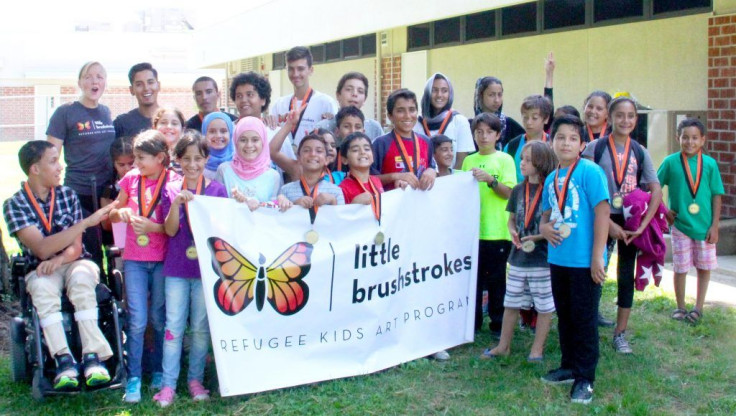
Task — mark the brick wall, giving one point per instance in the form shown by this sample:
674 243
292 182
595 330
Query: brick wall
17 118
721 142
390 81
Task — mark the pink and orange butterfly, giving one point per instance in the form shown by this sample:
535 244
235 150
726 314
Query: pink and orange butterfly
83 126
242 282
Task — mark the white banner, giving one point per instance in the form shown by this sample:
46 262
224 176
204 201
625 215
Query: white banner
283 312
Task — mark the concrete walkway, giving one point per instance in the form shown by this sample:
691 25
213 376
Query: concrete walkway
722 288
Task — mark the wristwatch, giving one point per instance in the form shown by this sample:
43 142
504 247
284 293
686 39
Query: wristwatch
493 184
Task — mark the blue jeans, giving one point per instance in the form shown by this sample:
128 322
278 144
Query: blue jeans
141 279
186 300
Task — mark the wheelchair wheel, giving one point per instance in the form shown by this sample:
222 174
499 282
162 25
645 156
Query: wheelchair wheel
39 384
18 361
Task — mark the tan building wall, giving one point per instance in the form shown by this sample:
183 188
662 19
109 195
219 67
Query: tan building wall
661 62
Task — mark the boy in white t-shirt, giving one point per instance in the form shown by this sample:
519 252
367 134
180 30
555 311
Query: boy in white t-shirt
312 105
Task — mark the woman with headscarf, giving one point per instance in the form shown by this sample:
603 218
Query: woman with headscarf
249 177
438 117
217 128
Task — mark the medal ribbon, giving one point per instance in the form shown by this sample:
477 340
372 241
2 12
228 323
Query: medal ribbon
693 185
620 168
561 194
375 197
199 190
529 210
443 126
292 107
413 167
47 221
328 174
312 193
147 209
591 136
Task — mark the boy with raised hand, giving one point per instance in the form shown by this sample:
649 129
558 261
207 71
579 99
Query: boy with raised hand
311 106
144 86
352 90
496 176
535 113
695 189
207 97
46 219
403 157
575 224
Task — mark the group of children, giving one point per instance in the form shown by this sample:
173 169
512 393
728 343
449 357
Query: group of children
546 209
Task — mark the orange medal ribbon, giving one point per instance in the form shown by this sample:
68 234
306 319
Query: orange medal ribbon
620 168
591 135
375 196
413 166
693 185
529 210
443 126
328 174
47 221
312 193
561 194
147 209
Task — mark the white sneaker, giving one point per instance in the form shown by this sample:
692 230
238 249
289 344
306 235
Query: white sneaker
441 355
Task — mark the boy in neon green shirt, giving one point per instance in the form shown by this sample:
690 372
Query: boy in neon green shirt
496 175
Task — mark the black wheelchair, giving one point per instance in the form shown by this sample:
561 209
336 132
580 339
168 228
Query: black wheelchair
30 359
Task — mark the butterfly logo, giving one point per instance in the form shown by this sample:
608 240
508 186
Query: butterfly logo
84 126
241 281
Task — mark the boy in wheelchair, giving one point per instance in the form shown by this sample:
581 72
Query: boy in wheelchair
46 219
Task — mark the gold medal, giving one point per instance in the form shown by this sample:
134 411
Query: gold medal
564 230
528 246
617 201
192 252
693 208
311 236
380 237
142 240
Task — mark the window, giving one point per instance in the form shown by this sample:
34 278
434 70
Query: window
318 53
617 9
351 47
279 60
419 36
480 25
447 31
332 51
519 19
368 45
666 6
563 13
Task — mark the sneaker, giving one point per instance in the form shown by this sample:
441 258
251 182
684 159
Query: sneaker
133 390
621 345
165 397
66 372
441 355
157 381
197 391
582 392
95 373
602 321
559 376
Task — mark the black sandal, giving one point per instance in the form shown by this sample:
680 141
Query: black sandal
694 316
679 314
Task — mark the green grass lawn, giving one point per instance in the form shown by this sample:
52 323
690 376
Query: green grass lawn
676 369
